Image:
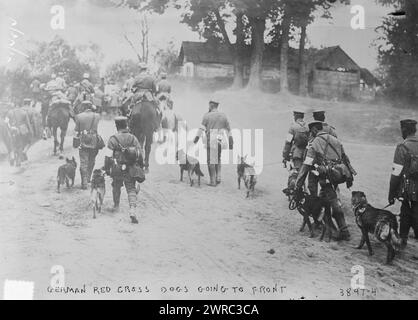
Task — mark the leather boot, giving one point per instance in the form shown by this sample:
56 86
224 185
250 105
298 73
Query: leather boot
212 175
132 215
218 173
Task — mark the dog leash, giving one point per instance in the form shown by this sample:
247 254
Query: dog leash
389 205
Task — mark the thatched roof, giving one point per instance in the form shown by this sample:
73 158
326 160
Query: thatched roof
330 58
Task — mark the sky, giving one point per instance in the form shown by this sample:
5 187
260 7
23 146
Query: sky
86 22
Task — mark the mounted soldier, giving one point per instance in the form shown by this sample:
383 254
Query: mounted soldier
124 162
404 180
86 93
326 155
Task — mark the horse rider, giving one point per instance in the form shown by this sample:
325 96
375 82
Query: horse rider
21 130
295 144
326 154
85 93
86 125
61 81
123 162
216 126
145 87
164 87
404 180
319 115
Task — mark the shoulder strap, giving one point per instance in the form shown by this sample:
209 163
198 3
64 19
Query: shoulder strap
92 121
330 145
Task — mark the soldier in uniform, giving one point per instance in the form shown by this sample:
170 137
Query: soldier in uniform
295 145
144 86
21 130
403 183
325 147
86 124
216 126
319 115
120 168
164 87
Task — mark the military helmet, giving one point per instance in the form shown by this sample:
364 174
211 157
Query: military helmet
215 100
121 120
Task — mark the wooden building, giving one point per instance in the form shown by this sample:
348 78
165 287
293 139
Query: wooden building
331 72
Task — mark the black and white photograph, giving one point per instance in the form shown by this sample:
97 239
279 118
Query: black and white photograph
208 150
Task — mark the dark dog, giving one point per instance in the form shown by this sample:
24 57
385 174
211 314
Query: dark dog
311 207
98 190
381 223
191 165
246 173
66 173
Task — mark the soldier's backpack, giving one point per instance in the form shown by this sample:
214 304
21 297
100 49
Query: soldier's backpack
301 139
411 170
127 155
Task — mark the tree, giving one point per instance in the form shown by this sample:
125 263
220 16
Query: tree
398 52
166 58
121 70
143 30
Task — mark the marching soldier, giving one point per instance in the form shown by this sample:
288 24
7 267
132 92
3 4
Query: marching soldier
319 115
324 151
295 145
123 163
216 126
21 130
404 180
86 124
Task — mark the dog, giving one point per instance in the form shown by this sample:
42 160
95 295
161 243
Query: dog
381 223
246 173
66 172
310 207
191 165
98 190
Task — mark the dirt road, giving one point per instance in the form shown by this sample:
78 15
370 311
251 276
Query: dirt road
192 241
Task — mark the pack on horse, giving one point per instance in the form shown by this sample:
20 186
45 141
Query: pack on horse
59 115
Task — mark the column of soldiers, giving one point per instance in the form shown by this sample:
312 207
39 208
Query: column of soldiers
309 147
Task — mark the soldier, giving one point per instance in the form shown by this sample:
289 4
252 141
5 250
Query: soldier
295 145
86 124
21 130
122 161
319 115
164 87
61 81
216 126
404 180
145 84
35 87
325 150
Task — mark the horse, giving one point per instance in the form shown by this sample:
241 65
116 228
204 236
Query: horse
144 121
59 117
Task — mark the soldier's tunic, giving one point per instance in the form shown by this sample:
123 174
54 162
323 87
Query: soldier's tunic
216 125
21 132
145 85
318 151
409 208
121 178
291 150
313 179
87 122
164 87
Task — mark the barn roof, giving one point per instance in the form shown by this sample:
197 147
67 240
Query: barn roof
330 58
368 77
